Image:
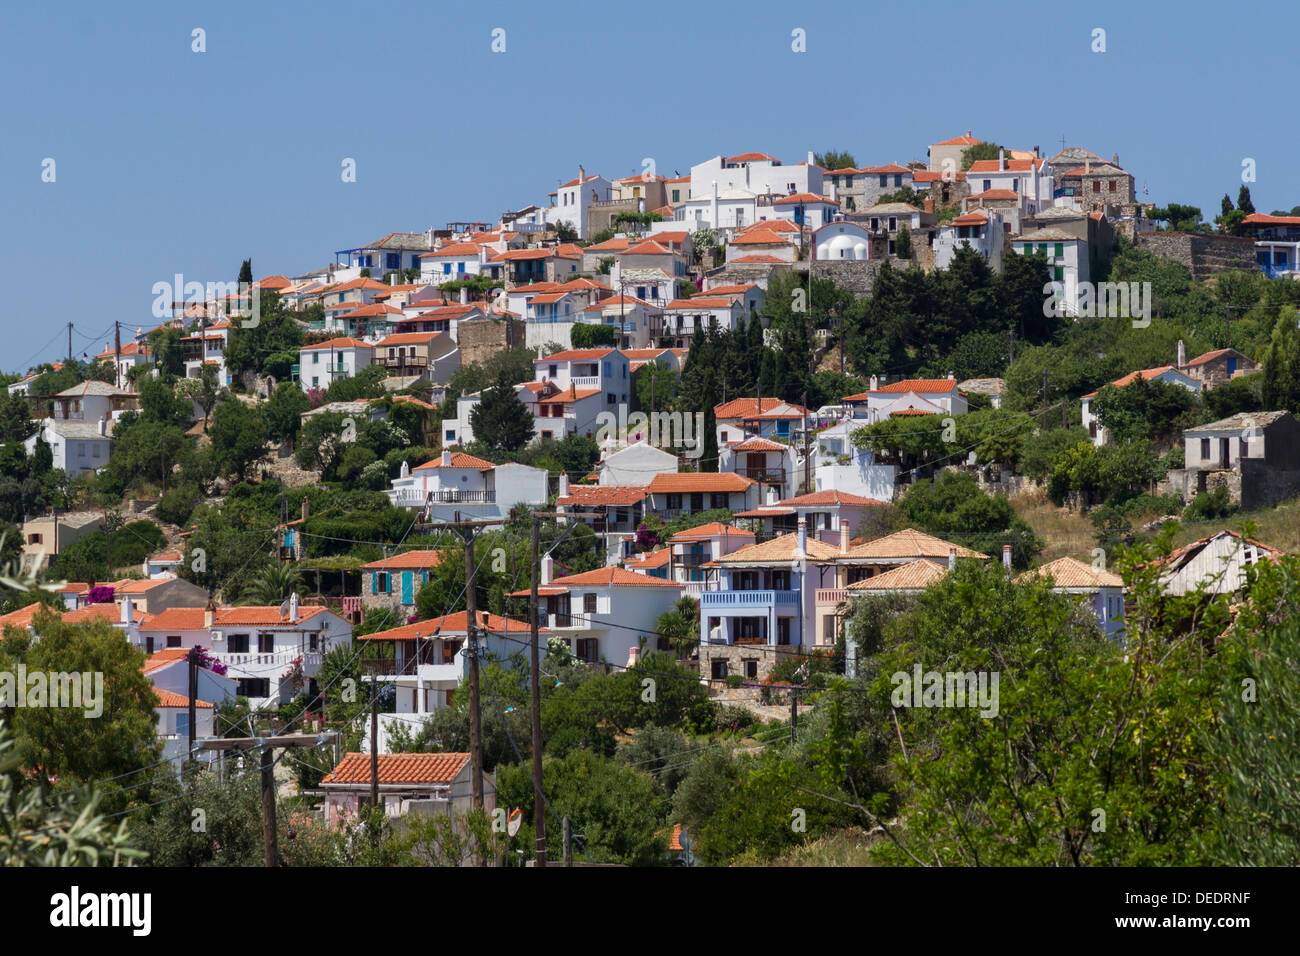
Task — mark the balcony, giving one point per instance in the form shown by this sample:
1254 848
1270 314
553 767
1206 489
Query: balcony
833 597
763 475
584 381
403 361
747 599
460 496
556 622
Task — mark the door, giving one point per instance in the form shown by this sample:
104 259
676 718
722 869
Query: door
407 595
756 465
1223 453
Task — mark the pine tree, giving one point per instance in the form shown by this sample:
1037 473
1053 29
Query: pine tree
246 273
1225 207
1243 200
500 420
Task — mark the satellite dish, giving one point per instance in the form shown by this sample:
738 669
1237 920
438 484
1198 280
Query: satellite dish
514 821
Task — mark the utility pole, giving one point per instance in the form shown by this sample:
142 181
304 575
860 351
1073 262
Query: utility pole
794 712
270 842
1044 399
807 459
475 719
471 630
539 805
567 827
194 692
69 343
374 747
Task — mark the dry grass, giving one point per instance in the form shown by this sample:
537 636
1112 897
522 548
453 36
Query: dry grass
851 847
1064 532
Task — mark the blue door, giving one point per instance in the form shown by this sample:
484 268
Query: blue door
407 597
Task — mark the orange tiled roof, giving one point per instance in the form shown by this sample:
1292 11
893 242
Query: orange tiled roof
911 543
654 559
603 495
450 624
780 549
164 658
407 560
913 576
575 355
20 618
167 698
1070 572
458 460
604 578
701 481
966 140
818 498
440 768
1147 375
192 618
714 529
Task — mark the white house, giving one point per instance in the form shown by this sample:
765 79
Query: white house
981 230
634 464
1030 179
459 484
273 654
1102 591
805 209
770 463
456 260
757 173
840 465
842 240
573 198
1165 373
1215 564
78 447
605 615
322 364
928 396
637 321
682 318
1067 260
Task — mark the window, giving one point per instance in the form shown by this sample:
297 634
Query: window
446 268
550 371
1112 185
1205 449
589 603
718 500
254 687
1096 186
988 184
385 583
313 641
94 450
266 643
828 629
588 649
393 260
238 643
751 668
677 195
697 501
148 645
1060 249
173 640
1059 273
718 668
183 723
884 180
611 398
675 502
1245 447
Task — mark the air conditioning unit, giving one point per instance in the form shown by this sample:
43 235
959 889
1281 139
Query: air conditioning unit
218 637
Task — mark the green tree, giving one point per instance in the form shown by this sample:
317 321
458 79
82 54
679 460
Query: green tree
284 412
834 159
238 433
500 419
972 154
587 335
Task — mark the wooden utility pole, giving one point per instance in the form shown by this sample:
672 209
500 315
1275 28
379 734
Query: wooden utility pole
475 718
374 745
270 840
194 692
539 817
539 804
794 712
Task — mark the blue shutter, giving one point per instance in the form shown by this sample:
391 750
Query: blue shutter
374 582
407 594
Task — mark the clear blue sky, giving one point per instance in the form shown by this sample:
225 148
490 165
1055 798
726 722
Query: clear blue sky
172 161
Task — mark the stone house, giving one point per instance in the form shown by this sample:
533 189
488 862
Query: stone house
1255 455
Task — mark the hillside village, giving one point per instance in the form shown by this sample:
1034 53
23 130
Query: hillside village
738 436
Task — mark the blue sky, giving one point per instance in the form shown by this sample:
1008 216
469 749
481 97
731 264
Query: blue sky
173 161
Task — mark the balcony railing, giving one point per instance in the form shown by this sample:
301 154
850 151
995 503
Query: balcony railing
763 475
554 621
402 361
458 496
748 598
584 381
831 596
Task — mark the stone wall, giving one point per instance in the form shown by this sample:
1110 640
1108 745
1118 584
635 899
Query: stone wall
765 657
856 275
600 216
482 337
1202 255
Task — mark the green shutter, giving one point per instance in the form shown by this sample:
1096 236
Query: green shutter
1060 249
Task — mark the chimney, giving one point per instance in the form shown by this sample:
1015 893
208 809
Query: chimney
1002 159
812 161
126 610
446 458
293 608
209 613
464 295
875 383
1182 354
772 497
968 134
103 424
1006 557
1087 164
582 174
802 552
1035 152
563 491
306 507
548 567
952 559
929 205
844 537
1114 159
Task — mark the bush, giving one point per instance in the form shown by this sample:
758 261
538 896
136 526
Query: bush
735 680
1210 505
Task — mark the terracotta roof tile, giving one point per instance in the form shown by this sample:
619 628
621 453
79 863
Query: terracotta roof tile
913 576
439 768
